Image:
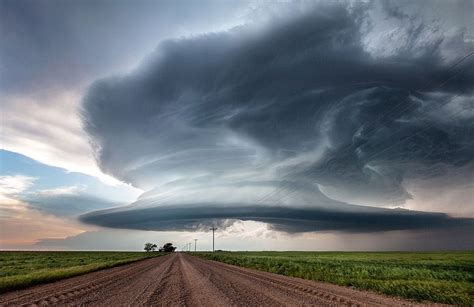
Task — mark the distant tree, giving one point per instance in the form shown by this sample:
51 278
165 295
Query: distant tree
150 247
167 248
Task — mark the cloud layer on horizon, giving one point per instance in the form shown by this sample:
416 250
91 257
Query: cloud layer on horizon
264 122
199 217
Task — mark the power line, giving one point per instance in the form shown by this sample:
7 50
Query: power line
213 229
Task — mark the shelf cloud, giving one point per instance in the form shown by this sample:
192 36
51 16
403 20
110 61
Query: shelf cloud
199 217
299 122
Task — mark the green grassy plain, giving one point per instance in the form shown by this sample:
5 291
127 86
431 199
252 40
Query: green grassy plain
22 269
444 277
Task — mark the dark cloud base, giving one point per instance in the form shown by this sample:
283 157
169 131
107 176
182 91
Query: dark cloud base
292 220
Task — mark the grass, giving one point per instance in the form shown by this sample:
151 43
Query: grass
443 277
23 269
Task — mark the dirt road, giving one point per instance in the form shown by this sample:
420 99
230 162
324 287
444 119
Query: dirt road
182 280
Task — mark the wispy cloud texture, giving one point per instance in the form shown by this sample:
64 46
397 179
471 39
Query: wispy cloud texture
287 122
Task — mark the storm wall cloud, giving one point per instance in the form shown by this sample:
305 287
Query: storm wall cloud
299 122
342 218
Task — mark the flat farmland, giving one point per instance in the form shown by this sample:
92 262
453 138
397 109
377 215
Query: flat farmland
443 277
22 269
180 279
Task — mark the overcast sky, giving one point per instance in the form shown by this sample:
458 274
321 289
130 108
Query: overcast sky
307 125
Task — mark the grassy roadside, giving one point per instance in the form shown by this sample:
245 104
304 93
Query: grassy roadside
444 277
23 269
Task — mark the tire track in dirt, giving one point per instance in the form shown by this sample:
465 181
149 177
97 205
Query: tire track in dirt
182 280
78 290
242 291
234 291
295 288
202 288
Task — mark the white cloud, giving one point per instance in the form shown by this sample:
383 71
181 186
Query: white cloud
46 126
70 190
15 184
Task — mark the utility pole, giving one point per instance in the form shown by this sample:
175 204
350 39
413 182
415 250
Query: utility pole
195 241
213 229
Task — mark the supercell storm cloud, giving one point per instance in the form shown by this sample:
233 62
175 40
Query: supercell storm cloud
307 122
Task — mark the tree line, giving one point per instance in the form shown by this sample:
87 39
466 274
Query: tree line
166 248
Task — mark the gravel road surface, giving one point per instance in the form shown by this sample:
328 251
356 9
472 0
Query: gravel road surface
182 280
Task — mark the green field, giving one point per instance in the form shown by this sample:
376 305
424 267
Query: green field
444 277
23 269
